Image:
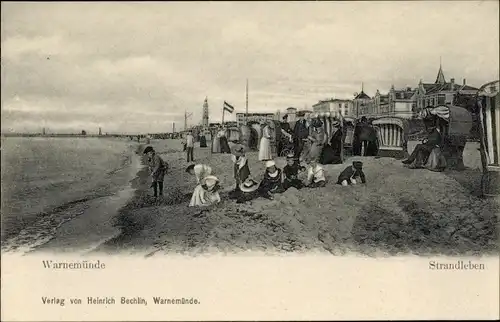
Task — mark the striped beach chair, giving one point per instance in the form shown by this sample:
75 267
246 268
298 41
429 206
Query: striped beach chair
489 106
392 134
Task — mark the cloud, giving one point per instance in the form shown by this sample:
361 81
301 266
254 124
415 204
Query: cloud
140 66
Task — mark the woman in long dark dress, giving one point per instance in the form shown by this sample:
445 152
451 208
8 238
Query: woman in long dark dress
203 141
365 139
331 153
224 145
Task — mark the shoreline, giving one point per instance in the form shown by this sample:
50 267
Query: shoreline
78 226
129 219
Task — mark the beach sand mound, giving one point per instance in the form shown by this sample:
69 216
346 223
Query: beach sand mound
398 210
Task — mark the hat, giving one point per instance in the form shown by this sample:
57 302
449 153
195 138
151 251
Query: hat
270 163
148 149
357 164
273 174
316 123
249 185
209 181
285 117
238 149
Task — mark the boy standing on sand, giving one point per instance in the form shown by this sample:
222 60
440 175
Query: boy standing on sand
189 146
158 169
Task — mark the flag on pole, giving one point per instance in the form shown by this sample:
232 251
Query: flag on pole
228 107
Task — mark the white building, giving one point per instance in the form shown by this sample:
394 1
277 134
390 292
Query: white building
335 106
403 102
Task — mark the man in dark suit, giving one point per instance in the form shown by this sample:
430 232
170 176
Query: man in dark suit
286 134
423 150
300 134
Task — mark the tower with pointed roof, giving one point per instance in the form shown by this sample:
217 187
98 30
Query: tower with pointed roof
440 92
440 76
362 103
204 122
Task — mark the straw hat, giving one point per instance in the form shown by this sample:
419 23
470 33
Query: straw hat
270 163
249 185
210 182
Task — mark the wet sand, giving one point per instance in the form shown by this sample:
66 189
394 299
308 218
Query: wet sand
399 210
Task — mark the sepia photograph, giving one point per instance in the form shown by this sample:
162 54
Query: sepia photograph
162 130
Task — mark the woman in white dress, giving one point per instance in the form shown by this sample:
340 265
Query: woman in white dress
206 193
216 141
265 152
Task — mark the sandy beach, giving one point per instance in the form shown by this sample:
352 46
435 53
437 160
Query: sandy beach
399 210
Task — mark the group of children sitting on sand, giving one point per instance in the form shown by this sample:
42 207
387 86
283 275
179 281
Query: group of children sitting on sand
274 181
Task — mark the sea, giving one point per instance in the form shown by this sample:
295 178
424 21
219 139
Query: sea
49 181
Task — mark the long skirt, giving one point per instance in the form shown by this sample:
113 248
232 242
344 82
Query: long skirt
201 197
436 160
216 145
203 141
330 155
315 151
265 152
224 146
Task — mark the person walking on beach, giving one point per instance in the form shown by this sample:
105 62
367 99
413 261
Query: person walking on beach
300 134
189 146
216 140
158 169
315 138
224 145
200 171
265 152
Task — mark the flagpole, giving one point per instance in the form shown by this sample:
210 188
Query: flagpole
222 114
246 112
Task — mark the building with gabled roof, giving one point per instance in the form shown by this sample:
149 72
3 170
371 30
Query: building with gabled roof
441 92
402 102
363 104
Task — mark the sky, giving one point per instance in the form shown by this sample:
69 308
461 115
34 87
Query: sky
137 67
